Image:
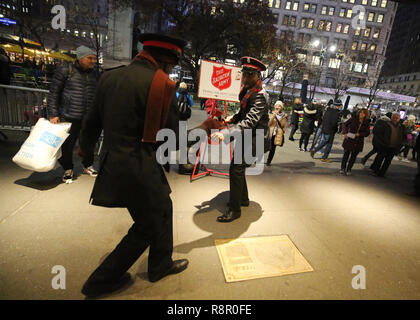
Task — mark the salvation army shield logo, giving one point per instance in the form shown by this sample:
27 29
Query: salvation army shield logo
221 77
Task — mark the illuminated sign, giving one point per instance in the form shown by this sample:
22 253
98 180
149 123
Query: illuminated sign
7 21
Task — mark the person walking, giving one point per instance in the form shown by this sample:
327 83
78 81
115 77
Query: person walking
277 124
70 97
355 130
252 115
388 137
185 102
307 126
132 104
410 128
329 129
296 112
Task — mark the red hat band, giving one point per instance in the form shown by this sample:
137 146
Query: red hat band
251 66
161 44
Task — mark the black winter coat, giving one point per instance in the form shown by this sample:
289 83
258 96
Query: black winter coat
308 123
254 116
382 133
71 93
129 172
295 114
330 120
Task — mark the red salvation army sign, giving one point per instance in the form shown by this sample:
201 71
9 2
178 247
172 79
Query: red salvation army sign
219 81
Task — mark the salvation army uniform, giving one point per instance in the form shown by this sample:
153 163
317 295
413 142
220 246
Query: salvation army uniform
132 104
253 114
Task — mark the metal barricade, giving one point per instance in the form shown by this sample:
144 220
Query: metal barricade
20 107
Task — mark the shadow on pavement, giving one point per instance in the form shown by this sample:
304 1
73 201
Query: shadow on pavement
42 181
205 219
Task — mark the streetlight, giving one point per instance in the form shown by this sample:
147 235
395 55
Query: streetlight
332 49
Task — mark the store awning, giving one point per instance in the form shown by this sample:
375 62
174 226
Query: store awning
17 49
62 56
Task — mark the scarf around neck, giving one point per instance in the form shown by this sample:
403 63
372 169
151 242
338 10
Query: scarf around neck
246 93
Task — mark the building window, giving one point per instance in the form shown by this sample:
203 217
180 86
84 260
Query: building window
358 67
339 27
310 23
321 25
363 46
328 26
342 12
365 67
380 18
292 21
367 32
303 23
324 10
331 11
270 3
354 45
313 8
295 6
282 35
334 63
349 13
316 61
285 20
373 47
365 2
384 3
300 38
288 5
357 32
346 29
306 7
376 33
371 16
374 3
361 15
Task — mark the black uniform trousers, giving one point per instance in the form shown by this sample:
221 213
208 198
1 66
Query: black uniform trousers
238 188
66 160
346 163
272 150
304 139
383 160
295 126
152 228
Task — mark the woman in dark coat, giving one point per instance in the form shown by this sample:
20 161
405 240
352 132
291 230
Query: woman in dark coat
308 125
355 130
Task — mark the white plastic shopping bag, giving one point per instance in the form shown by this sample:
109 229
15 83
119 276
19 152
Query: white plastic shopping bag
42 149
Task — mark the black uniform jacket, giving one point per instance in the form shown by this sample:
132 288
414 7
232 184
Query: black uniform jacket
129 172
254 116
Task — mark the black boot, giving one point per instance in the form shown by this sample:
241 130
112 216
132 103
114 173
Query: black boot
229 216
177 267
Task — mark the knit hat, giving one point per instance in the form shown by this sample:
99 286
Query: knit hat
412 117
83 51
278 103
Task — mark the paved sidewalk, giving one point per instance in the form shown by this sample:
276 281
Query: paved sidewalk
335 221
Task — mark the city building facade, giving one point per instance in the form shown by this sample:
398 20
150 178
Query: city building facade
329 31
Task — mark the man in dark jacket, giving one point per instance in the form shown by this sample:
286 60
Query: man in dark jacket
388 138
5 72
308 125
70 98
294 122
132 104
329 129
252 115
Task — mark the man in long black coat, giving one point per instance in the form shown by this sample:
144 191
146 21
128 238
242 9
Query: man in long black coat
253 115
131 105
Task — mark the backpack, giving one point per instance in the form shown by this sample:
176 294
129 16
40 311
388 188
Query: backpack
184 107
